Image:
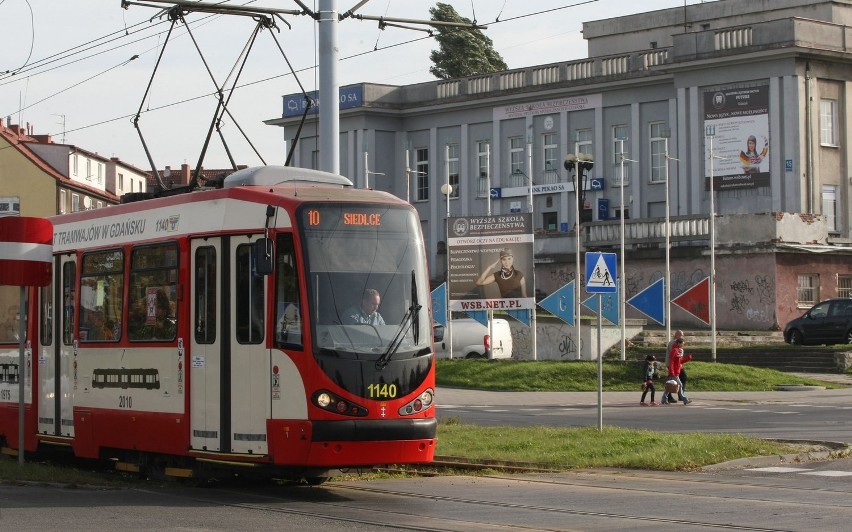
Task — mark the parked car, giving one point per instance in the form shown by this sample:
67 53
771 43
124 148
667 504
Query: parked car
828 322
471 339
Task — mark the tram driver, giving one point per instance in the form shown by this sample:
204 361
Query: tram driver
367 312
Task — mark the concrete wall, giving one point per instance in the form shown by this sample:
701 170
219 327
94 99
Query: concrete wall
556 340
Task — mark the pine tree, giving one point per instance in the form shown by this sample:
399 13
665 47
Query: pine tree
464 51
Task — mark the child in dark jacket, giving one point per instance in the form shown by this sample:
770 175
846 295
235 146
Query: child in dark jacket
649 369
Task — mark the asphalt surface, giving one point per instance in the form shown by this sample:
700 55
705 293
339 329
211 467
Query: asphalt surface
457 396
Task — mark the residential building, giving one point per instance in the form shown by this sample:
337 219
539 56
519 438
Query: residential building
49 178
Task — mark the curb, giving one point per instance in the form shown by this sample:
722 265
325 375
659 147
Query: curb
832 450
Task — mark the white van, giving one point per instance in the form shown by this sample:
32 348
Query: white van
471 339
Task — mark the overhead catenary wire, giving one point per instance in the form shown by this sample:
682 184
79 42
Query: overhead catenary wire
272 78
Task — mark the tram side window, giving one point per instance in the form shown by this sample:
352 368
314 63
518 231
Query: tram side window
250 304
69 277
288 317
205 295
46 314
10 300
101 296
153 293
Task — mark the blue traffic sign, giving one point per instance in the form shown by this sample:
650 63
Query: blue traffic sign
601 275
650 302
609 302
561 303
439 304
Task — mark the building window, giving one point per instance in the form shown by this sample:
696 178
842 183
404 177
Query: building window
120 182
516 161
659 132
131 186
829 207
74 164
550 164
584 142
100 173
807 292
63 202
548 221
828 122
617 213
100 204
453 168
844 286
75 202
88 169
620 148
482 156
422 168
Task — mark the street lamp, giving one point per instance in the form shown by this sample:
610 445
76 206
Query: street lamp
533 323
447 190
579 164
710 132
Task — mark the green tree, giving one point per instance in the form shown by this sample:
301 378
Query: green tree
464 51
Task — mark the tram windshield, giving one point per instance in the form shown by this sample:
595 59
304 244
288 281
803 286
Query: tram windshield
367 281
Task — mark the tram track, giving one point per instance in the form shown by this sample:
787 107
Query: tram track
489 502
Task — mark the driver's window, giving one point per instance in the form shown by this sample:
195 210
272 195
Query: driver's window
819 311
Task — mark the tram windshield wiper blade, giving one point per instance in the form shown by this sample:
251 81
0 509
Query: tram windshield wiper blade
393 347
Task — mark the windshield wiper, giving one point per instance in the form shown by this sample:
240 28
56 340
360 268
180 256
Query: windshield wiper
415 302
393 347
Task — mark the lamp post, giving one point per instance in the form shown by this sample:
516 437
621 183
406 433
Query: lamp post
447 190
579 163
666 134
622 273
710 132
533 323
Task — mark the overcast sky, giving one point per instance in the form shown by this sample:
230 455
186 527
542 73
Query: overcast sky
96 91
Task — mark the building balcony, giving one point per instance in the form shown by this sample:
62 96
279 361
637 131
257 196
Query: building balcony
732 231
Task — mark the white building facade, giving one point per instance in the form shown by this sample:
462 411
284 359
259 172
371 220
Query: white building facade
765 84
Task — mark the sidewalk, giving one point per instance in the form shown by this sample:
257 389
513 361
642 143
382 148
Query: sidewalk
459 397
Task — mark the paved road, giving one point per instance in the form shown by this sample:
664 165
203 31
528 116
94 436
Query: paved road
809 414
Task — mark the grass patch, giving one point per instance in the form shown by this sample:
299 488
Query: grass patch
71 475
618 376
586 447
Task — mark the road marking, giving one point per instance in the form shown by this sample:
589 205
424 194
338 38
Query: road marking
779 469
830 473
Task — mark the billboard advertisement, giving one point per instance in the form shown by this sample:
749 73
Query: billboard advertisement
738 119
490 265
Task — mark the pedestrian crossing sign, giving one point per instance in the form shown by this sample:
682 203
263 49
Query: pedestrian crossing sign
601 274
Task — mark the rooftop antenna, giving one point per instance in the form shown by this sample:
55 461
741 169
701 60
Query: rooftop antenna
63 127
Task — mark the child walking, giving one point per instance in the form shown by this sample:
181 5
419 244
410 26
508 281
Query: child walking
649 369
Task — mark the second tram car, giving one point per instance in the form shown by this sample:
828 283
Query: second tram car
216 327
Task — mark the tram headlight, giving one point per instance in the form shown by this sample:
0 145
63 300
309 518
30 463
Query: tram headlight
323 400
420 404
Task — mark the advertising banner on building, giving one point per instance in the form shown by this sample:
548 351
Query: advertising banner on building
490 263
738 119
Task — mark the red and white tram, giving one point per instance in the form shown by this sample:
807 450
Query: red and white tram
211 328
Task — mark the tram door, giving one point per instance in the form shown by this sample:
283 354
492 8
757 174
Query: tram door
205 354
56 358
228 360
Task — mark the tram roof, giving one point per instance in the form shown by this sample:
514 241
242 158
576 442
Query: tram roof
277 175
